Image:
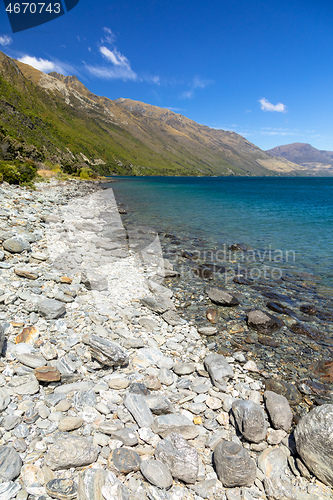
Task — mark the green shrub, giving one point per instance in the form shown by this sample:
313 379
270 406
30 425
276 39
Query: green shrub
17 173
86 173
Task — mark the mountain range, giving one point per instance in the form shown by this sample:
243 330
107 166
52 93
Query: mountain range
55 119
314 160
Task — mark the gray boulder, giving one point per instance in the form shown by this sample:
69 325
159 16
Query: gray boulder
51 308
222 297
250 420
180 457
138 408
314 442
157 473
10 463
71 451
218 369
273 463
278 410
233 464
175 422
107 352
17 244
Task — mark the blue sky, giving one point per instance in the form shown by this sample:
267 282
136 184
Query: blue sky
260 68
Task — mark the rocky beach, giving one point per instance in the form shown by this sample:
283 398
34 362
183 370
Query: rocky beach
119 383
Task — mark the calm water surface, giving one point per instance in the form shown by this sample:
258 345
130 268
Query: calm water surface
285 214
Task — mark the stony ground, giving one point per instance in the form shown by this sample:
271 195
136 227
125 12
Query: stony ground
106 393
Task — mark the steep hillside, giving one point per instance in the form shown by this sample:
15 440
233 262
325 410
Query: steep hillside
70 125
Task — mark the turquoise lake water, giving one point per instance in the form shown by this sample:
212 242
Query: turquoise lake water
281 214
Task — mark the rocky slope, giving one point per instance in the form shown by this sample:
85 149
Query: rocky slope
70 125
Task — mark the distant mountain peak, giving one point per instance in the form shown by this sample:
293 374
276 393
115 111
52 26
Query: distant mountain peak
305 155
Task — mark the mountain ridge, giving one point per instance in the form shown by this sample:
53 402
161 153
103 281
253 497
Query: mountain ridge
73 126
305 155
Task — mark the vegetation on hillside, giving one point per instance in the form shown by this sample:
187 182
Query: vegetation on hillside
56 119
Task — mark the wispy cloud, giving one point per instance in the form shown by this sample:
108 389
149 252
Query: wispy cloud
265 105
45 65
117 73
5 40
196 83
108 37
119 67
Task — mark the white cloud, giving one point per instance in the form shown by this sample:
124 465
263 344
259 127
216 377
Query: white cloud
198 83
5 40
115 57
45 65
109 36
116 73
120 69
187 94
265 105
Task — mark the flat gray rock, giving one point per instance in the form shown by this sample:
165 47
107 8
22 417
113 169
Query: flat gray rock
183 368
273 463
157 473
218 369
138 408
17 244
175 422
158 303
250 420
51 308
222 297
173 319
127 436
107 352
10 463
25 384
180 457
4 399
159 404
31 360
278 410
314 442
234 466
71 451
124 460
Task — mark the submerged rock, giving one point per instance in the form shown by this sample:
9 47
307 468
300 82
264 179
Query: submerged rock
222 297
263 322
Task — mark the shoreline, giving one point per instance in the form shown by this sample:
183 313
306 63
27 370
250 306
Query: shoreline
306 337
85 297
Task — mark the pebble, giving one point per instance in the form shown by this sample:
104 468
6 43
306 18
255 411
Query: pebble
157 473
124 460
